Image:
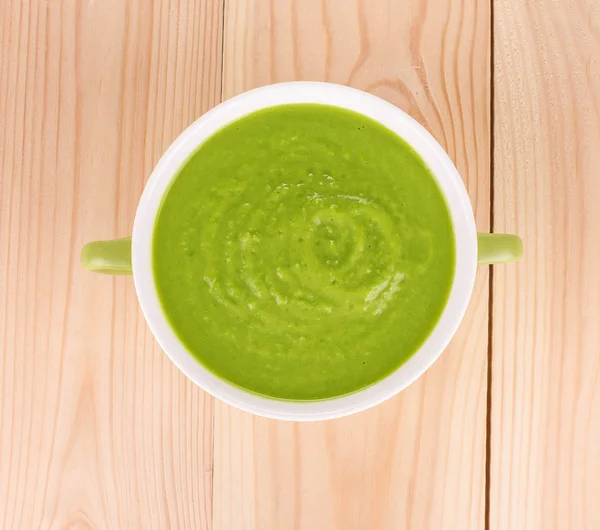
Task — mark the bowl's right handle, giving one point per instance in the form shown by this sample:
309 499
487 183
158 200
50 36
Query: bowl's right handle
498 248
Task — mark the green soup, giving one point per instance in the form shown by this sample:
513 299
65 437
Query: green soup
303 252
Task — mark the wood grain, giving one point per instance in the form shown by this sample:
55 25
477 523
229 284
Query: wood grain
417 461
545 423
98 429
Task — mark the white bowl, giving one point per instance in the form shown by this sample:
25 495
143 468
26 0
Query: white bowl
394 119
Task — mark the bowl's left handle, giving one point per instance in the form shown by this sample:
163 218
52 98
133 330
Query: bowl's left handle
108 257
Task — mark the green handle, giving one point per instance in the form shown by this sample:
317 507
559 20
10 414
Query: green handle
498 248
108 257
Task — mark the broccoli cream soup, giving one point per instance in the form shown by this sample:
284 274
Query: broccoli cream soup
303 252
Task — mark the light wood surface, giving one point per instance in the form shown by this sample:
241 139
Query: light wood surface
98 430
417 461
545 415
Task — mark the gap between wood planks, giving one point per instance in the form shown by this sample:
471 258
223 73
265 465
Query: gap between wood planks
488 416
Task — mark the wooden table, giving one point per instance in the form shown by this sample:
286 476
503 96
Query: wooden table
99 430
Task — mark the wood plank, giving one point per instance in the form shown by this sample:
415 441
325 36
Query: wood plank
98 429
417 461
545 423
